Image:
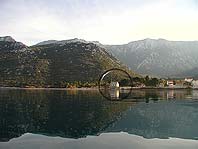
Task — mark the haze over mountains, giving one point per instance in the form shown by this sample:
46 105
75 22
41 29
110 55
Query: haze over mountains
159 57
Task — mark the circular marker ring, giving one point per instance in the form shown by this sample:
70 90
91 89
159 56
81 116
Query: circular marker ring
107 72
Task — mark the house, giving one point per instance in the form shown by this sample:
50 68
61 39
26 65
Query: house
139 85
195 83
170 83
161 85
179 84
114 85
188 80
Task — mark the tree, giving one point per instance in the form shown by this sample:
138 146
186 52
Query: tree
125 82
151 82
154 82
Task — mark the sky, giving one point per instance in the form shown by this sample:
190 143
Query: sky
106 21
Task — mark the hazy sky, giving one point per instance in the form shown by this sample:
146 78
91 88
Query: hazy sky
107 21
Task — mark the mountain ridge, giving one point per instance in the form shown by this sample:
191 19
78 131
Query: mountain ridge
159 57
154 57
7 39
66 41
54 65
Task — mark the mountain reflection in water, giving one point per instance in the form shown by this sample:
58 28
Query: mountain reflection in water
76 114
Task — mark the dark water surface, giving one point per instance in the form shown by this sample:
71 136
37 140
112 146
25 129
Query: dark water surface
76 114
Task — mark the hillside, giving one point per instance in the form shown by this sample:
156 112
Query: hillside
193 73
158 57
53 64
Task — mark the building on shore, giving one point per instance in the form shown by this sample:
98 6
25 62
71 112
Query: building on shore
189 80
114 85
179 84
161 85
195 83
170 83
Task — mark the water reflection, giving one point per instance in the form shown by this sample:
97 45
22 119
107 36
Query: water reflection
177 119
114 93
60 113
75 114
164 94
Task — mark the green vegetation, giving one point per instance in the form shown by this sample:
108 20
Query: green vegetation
151 81
73 64
146 81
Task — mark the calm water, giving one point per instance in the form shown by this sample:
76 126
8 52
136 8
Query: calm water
77 114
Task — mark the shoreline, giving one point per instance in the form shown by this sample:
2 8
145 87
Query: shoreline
95 88
42 88
165 88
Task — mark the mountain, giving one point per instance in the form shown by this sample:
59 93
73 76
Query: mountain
7 39
157 57
53 63
7 43
46 42
193 73
66 42
16 63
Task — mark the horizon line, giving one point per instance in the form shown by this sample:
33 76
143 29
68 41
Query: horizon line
99 41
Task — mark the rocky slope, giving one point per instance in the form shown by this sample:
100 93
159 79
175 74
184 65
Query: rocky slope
158 57
52 64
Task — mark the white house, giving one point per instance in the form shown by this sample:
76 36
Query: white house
188 80
170 83
195 83
114 85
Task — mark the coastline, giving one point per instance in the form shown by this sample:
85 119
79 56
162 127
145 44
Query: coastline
165 88
95 88
42 88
